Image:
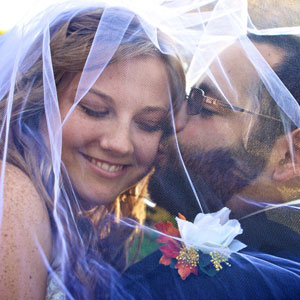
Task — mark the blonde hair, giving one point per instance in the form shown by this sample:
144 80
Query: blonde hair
70 45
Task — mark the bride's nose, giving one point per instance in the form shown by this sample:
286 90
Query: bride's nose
117 140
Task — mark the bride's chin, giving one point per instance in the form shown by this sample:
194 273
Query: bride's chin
90 202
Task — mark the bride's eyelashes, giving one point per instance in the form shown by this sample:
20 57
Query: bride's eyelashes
151 127
96 113
153 123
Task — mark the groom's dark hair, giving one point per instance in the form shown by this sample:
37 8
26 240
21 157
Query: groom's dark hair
266 131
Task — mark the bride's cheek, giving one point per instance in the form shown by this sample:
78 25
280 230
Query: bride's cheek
148 149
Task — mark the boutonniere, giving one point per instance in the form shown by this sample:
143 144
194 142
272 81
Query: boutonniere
204 245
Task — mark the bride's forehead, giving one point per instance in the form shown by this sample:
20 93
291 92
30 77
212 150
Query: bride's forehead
128 69
134 76
140 81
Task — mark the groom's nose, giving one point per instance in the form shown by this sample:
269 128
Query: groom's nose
181 117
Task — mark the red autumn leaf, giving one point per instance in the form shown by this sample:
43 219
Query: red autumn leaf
167 228
170 249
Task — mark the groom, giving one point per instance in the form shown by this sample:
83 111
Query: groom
244 160
243 157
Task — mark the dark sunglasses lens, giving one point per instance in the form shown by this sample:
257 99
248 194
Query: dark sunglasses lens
195 100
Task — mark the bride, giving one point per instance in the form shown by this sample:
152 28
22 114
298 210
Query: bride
87 95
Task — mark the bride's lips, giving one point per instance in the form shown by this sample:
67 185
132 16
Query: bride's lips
104 168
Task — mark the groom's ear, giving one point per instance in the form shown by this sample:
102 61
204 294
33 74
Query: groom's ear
287 165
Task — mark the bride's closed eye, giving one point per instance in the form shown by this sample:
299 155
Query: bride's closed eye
151 126
152 121
92 110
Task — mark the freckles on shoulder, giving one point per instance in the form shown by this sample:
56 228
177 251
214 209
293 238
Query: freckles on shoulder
24 232
21 199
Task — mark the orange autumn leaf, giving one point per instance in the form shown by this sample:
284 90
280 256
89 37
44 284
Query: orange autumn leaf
165 260
185 270
182 217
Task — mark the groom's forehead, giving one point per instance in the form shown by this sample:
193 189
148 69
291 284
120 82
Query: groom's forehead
231 69
232 75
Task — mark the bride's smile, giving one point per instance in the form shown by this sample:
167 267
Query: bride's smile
105 168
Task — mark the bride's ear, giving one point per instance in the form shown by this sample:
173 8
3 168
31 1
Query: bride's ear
287 164
181 117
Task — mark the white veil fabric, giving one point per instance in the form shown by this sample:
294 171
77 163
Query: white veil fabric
239 151
102 101
88 90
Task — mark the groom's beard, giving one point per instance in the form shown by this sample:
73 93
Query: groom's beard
216 176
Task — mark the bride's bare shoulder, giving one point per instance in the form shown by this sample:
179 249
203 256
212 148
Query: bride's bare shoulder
25 233
20 198
19 189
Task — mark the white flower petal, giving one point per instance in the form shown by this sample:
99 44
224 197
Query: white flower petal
190 233
211 232
230 231
222 215
236 246
203 219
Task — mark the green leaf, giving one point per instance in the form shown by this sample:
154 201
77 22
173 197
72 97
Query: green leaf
208 270
204 259
173 263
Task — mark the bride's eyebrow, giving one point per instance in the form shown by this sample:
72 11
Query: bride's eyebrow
103 96
109 100
154 109
106 98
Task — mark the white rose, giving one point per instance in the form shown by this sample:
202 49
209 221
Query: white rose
211 232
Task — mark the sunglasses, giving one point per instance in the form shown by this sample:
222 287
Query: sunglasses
197 98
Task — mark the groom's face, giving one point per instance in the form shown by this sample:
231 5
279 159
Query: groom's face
218 146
